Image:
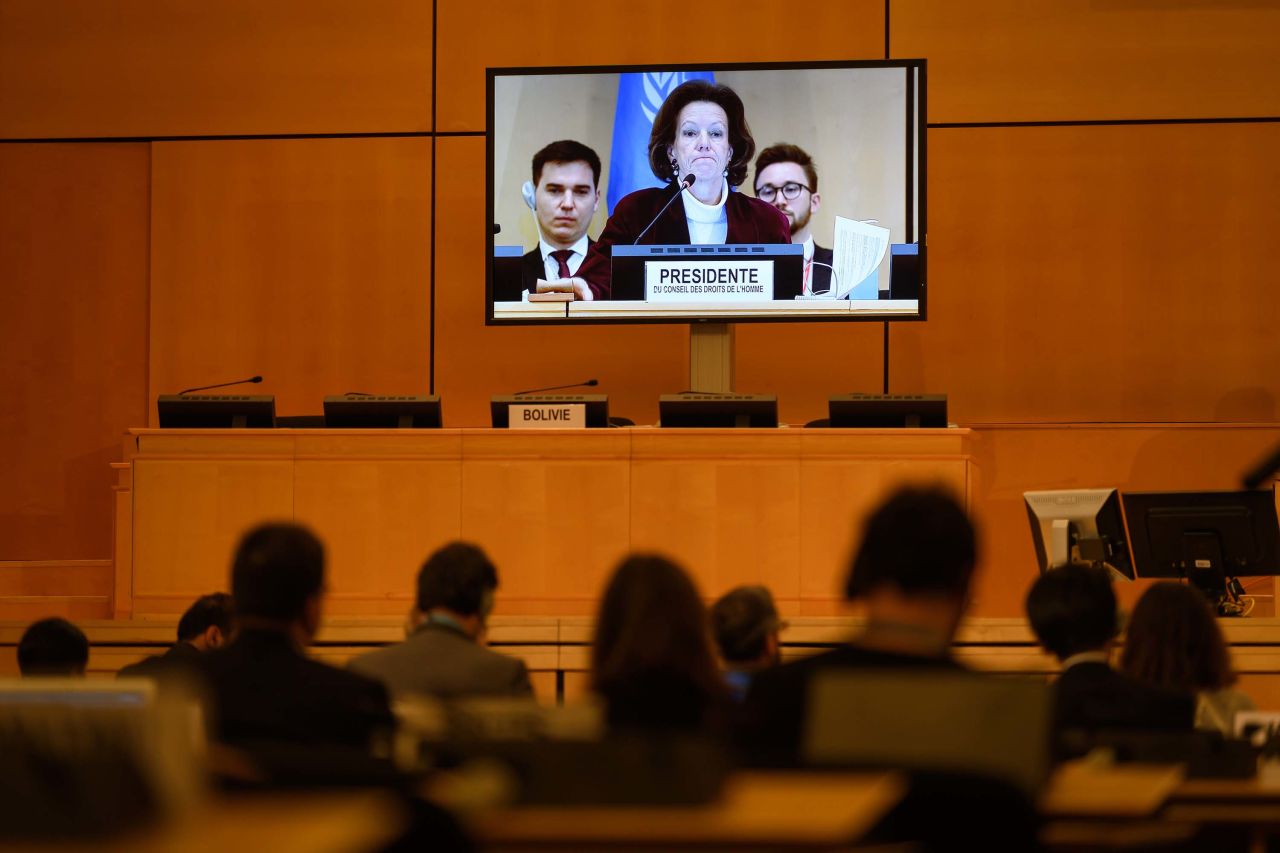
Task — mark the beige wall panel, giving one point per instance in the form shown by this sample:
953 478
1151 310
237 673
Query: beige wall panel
1013 459
189 515
1100 274
511 33
837 497
473 362
379 520
73 339
725 507
77 68
552 512
1010 60
304 260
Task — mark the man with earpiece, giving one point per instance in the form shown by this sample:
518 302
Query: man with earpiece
444 655
564 195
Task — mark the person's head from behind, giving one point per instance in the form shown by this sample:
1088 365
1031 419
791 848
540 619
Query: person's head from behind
458 581
277 579
916 560
1072 609
651 624
745 623
701 129
1173 641
207 623
566 179
786 178
52 647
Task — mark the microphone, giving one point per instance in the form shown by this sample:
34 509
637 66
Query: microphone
590 383
251 380
1263 470
685 183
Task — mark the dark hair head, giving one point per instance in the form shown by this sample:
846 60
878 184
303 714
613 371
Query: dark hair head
919 540
459 577
785 152
664 128
277 569
215 609
742 620
53 647
651 625
1072 609
566 151
1173 641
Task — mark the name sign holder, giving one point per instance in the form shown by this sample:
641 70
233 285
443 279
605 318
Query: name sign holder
724 273
549 411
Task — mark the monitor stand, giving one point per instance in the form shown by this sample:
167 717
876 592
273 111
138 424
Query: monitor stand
711 357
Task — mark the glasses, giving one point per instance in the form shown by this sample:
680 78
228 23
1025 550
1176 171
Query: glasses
790 191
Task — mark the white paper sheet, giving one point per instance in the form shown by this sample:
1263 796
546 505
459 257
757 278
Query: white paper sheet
860 248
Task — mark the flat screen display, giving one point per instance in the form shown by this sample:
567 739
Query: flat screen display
725 193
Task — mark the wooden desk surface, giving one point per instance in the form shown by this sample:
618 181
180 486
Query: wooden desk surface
1127 790
282 823
757 809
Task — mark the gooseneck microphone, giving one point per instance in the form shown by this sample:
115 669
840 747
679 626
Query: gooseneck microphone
590 383
254 380
685 183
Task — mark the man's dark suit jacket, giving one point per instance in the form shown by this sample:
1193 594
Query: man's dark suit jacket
265 690
181 658
773 718
532 268
750 221
439 660
820 276
1091 696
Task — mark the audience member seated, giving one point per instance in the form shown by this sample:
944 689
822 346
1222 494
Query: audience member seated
204 627
1072 610
444 656
912 575
266 692
746 625
1174 642
651 661
53 647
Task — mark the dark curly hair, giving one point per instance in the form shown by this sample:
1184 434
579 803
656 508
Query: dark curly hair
664 128
1173 641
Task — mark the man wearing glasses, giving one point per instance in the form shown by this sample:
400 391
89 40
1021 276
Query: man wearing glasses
786 179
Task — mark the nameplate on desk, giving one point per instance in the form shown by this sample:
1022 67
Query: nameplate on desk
547 415
707 280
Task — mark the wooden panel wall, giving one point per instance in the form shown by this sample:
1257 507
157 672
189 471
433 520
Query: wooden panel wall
1080 271
305 261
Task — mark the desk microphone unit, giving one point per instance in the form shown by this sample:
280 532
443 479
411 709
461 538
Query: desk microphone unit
597 406
888 411
418 411
216 411
718 411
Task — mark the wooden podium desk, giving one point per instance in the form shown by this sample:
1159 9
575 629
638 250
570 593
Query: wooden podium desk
556 509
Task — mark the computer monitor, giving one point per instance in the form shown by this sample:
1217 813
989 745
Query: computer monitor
597 411
216 411
888 410
718 410
1204 537
1078 525
369 412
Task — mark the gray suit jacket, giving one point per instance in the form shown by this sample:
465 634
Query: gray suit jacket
439 660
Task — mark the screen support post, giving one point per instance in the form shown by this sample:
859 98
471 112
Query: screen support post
711 357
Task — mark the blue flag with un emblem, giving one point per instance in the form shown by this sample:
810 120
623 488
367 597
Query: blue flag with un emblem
639 97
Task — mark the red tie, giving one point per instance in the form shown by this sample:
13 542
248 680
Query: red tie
562 257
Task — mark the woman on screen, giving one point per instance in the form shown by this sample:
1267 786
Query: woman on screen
702 145
1173 641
